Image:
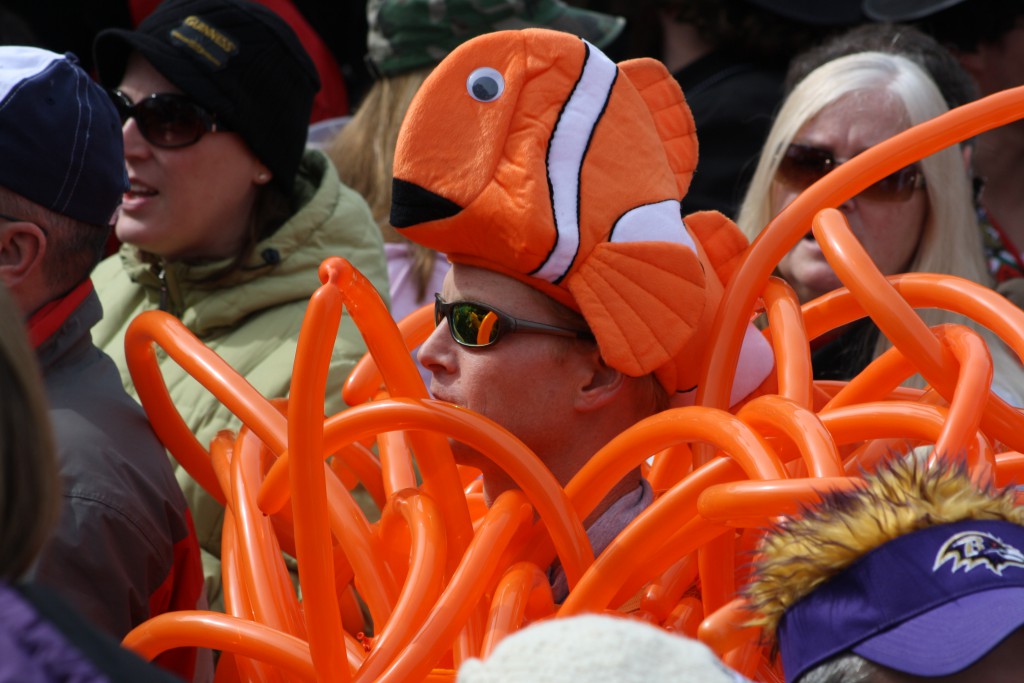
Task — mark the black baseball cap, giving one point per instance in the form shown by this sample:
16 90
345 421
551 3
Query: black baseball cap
237 59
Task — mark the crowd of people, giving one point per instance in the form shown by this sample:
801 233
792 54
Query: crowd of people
566 207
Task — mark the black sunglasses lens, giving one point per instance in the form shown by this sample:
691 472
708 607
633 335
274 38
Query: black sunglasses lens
802 166
169 121
164 119
122 104
895 187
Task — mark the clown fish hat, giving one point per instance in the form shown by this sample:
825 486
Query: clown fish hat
532 154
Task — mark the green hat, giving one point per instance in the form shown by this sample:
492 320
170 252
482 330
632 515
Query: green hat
409 34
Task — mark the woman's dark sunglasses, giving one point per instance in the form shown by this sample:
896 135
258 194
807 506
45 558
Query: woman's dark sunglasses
475 324
803 165
166 119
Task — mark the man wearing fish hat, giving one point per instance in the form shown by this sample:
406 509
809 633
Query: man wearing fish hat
579 301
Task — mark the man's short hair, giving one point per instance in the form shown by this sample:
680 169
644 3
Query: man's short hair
73 247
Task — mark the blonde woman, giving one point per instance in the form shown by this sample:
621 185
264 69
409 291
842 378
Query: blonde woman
918 219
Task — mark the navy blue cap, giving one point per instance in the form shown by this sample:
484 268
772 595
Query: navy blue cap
60 137
905 10
929 603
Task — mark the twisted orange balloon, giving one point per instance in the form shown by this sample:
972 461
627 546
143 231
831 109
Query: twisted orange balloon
444 577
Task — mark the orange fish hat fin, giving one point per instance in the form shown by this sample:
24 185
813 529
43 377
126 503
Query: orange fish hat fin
672 116
643 291
640 321
723 246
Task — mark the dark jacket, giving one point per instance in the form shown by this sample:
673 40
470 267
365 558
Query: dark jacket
124 549
733 103
43 640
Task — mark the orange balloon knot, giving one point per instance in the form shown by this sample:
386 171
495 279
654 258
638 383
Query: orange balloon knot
365 640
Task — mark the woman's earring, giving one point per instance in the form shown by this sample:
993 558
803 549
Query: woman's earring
262 177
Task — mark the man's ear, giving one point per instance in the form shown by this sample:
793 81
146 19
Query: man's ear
22 249
967 151
602 383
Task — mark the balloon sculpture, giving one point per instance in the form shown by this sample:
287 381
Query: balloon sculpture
445 578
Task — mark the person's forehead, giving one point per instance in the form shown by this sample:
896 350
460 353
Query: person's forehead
490 287
859 119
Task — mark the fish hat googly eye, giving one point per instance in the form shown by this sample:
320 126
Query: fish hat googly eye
485 84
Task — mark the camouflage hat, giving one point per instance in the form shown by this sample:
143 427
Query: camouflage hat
410 34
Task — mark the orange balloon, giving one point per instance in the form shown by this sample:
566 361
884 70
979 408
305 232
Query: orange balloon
522 587
357 460
191 628
396 456
362 549
754 503
669 467
1009 468
792 353
268 585
366 379
210 370
775 415
919 421
685 617
490 439
425 577
717 567
508 516
402 378
641 543
653 434
664 592
724 630
309 483
790 225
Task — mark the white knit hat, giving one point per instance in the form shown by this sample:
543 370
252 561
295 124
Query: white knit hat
596 648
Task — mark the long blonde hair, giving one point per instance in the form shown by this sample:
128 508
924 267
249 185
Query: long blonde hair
29 485
364 154
951 239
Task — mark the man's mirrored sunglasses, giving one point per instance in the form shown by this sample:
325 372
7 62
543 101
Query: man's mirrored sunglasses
475 324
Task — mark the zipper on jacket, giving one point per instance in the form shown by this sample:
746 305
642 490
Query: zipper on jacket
165 296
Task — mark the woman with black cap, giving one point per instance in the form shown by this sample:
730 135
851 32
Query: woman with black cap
227 216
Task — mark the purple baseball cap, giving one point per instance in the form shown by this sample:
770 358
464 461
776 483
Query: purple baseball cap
929 603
